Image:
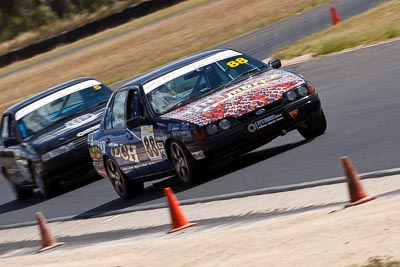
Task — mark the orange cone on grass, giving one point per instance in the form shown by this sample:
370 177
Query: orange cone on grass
48 240
357 193
334 15
179 221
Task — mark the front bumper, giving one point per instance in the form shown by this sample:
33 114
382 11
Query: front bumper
70 165
258 130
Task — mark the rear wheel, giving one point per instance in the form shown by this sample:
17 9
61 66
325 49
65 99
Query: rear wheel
124 187
186 167
314 127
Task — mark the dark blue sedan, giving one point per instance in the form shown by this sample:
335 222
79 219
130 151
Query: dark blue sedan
190 113
43 138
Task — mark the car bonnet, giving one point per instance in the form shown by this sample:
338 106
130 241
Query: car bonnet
238 99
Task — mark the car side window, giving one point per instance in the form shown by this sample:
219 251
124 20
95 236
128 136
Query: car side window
107 119
5 133
134 105
12 129
118 113
7 128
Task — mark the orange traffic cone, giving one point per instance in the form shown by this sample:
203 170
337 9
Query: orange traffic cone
179 221
335 15
357 193
48 240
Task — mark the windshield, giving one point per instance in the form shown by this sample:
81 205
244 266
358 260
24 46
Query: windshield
196 80
60 105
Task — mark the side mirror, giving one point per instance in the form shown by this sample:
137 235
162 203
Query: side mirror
12 141
138 121
275 64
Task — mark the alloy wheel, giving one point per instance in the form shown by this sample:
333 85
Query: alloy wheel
116 177
180 162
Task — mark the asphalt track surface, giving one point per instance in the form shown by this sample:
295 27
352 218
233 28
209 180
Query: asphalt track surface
359 92
262 42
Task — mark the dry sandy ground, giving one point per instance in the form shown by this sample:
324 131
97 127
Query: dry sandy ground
156 44
326 237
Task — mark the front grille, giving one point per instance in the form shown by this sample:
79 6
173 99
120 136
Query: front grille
81 141
268 108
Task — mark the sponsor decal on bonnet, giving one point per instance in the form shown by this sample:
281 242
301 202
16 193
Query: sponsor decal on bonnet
89 130
81 120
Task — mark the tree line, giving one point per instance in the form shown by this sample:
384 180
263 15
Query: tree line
17 16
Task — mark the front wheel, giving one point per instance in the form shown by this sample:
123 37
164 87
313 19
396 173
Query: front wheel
21 193
314 127
186 167
46 188
124 187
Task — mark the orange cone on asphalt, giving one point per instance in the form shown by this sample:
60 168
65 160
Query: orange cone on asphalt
334 15
48 240
357 193
179 221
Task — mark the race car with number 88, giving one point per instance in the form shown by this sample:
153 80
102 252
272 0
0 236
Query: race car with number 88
184 116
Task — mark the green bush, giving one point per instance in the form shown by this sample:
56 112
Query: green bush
11 27
41 16
18 16
93 5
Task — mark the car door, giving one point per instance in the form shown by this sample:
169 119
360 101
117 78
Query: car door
11 161
151 134
124 145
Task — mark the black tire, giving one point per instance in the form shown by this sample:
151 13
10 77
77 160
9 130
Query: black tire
125 188
314 127
46 188
186 167
21 193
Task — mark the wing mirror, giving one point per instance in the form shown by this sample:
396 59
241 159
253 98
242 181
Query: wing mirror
12 141
275 64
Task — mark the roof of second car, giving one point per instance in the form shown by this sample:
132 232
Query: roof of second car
44 93
171 67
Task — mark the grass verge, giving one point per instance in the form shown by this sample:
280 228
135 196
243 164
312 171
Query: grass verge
378 24
380 262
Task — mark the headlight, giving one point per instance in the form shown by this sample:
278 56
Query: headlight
58 151
225 124
291 95
212 129
302 91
